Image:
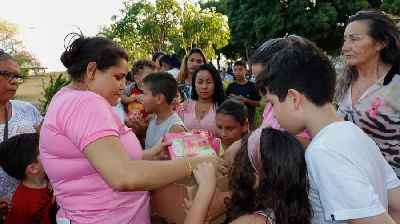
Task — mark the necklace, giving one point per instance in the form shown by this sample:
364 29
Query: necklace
201 110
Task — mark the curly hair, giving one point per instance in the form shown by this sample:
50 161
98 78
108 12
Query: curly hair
284 190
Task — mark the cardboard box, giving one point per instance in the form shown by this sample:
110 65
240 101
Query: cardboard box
167 201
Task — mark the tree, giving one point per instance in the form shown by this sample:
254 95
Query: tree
166 25
253 22
13 46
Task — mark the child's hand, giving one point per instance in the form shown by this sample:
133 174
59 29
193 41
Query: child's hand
4 207
242 99
158 150
205 176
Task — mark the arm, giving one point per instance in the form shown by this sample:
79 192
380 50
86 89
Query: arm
205 177
381 219
249 101
126 99
111 161
4 207
394 203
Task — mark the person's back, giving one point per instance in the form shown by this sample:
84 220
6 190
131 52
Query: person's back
342 147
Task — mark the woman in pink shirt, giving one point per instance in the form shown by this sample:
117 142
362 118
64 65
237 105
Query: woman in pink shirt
207 93
95 163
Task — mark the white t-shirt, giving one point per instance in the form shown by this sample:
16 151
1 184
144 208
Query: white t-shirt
25 118
349 178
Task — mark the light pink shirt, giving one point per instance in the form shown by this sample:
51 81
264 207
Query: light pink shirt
75 119
191 121
271 121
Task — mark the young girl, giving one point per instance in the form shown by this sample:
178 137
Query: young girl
178 99
268 182
207 95
232 123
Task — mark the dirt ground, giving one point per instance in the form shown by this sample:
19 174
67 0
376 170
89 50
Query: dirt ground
32 88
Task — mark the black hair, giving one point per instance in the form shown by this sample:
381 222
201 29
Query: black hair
219 95
301 66
267 50
171 60
381 28
5 56
240 63
156 55
129 77
162 83
17 153
84 50
180 91
141 64
284 189
234 108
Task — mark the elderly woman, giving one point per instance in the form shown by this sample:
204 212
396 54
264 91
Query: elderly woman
369 93
98 170
16 117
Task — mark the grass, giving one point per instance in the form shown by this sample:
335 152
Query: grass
31 90
259 113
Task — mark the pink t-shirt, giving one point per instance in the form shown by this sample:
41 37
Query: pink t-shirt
271 121
73 120
191 121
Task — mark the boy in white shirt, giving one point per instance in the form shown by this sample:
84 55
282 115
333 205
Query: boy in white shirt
350 181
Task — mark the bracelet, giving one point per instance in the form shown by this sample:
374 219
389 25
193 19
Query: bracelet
190 167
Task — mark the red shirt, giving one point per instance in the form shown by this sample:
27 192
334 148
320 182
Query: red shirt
30 206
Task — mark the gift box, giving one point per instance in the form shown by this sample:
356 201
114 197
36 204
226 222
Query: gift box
192 144
167 201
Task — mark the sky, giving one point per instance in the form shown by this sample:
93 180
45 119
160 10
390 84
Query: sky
43 24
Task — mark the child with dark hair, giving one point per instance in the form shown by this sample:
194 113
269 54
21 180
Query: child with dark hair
170 64
31 202
244 90
178 99
232 123
269 182
159 90
350 181
156 59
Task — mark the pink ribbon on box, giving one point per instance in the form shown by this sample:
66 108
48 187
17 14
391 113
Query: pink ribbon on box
374 107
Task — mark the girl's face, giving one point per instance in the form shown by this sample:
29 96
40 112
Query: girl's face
204 85
194 61
8 88
359 47
176 101
229 129
109 83
256 68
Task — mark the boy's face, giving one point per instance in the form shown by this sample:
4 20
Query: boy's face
149 101
239 72
142 74
287 113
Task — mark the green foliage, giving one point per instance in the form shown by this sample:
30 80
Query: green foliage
391 6
49 90
225 84
166 25
254 22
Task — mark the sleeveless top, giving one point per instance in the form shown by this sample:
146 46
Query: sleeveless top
155 132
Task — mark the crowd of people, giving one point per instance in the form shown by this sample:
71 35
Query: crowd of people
327 151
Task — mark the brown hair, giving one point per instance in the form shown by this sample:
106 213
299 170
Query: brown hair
183 71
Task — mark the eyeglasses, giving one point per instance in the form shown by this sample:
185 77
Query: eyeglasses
11 75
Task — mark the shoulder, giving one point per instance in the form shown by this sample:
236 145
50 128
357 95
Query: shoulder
22 104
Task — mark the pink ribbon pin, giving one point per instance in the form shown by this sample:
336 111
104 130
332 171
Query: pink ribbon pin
374 107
